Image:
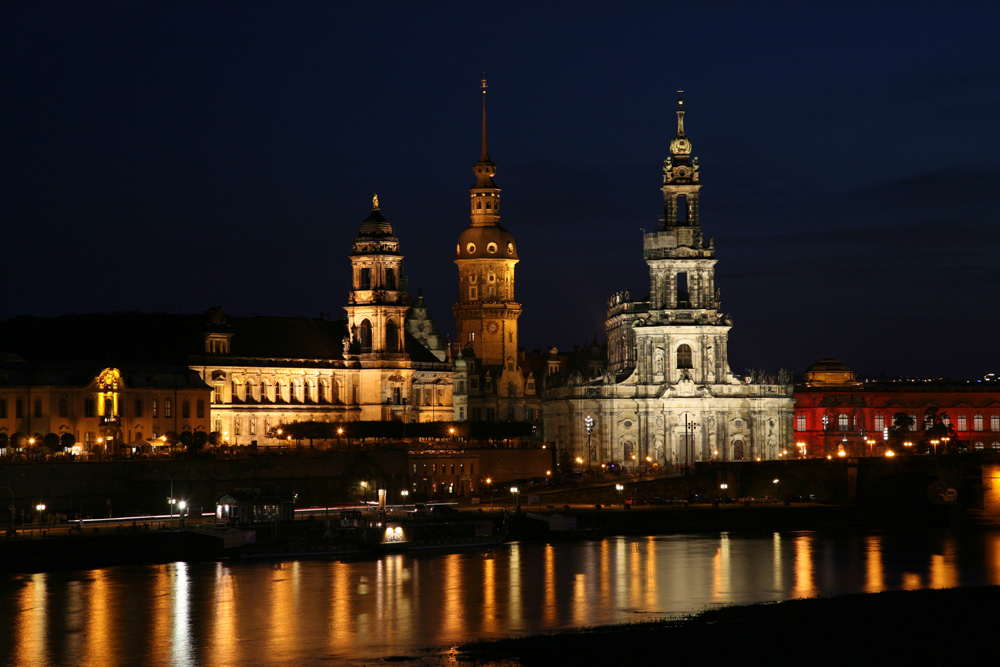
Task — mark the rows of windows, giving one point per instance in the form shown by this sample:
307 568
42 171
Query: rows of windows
90 408
881 422
295 391
434 469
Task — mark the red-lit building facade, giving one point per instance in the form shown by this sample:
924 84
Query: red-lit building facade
834 413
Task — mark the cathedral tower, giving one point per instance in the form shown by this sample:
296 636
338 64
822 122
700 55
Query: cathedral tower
486 312
376 314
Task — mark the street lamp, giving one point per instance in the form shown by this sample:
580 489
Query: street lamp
935 444
517 498
41 508
620 488
724 488
588 423
405 495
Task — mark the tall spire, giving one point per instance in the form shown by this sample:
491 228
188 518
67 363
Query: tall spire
680 147
485 169
485 157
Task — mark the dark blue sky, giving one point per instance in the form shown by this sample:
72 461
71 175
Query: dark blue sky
175 157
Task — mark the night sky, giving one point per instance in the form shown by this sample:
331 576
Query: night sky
170 157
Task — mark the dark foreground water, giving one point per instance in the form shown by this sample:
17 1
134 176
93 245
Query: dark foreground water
309 612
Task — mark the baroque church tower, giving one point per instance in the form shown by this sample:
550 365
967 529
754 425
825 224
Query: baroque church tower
682 336
486 312
376 310
669 398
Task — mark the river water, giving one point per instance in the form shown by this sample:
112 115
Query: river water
332 612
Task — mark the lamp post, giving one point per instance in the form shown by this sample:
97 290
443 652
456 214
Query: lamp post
489 489
689 428
514 491
588 424
405 495
725 488
170 500
935 444
40 507
620 488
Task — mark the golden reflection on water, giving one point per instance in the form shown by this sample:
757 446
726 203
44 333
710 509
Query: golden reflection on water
100 626
911 582
651 584
874 569
32 622
490 623
721 579
453 620
341 621
804 567
776 566
220 627
219 615
514 590
944 568
549 558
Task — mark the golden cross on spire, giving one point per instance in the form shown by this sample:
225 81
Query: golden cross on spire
375 202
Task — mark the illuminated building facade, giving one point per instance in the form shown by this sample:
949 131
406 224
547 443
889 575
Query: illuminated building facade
668 396
497 386
47 407
836 413
239 377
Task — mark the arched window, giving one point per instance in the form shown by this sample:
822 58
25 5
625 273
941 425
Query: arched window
391 337
201 408
186 409
684 356
168 408
248 391
390 279
365 334
293 391
334 392
843 422
263 391
278 392
310 391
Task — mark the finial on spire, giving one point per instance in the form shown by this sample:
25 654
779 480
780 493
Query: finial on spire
375 202
485 155
680 113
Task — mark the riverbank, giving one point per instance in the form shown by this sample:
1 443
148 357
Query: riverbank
923 627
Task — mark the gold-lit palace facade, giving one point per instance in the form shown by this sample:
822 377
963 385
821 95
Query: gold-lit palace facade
228 380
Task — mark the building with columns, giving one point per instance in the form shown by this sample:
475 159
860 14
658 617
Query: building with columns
240 378
498 385
668 396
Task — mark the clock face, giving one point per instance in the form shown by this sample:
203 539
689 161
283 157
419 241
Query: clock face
492 327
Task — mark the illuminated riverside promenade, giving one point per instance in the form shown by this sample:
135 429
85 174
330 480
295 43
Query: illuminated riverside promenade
303 612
